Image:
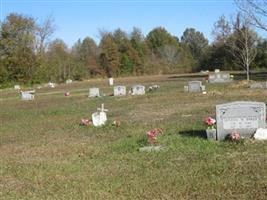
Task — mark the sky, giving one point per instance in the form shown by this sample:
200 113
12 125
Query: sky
82 18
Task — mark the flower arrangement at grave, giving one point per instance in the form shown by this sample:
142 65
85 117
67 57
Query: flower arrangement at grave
86 122
234 136
116 123
153 134
210 122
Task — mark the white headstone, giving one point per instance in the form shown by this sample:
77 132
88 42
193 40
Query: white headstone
261 134
119 90
220 77
16 87
27 95
52 85
138 90
110 81
94 92
99 118
217 70
68 81
195 86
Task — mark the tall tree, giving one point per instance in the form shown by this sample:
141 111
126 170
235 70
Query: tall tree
243 43
196 42
17 44
109 56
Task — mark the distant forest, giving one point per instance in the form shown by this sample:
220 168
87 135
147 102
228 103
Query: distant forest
28 55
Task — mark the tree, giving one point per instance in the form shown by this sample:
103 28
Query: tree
256 10
243 43
221 30
17 44
58 61
109 56
195 41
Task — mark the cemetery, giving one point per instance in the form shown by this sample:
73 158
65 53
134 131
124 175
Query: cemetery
161 133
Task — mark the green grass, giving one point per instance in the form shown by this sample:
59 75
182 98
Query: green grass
45 154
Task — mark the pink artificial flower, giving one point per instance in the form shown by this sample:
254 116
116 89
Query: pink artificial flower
86 122
152 135
67 94
209 121
235 136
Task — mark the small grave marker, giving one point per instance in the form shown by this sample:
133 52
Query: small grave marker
110 81
119 90
220 77
194 86
94 92
16 87
68 81
27 95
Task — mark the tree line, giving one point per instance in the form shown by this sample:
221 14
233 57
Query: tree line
28 55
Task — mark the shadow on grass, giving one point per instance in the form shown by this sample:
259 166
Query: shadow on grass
194 133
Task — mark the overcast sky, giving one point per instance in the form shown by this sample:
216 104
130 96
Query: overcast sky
81 18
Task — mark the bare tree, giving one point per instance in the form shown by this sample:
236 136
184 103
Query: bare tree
243 43
44 31
256 10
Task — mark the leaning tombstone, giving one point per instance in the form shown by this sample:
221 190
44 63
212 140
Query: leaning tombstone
138 90
99 118
243 117
119 90
94 92
27 95
16 87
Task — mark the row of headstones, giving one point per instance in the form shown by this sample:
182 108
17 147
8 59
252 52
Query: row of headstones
120 91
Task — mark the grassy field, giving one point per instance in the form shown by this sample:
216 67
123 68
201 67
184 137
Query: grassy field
45 154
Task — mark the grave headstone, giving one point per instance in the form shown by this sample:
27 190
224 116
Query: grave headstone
138 90
99 118
256 86
51 85
94 92
220 77
110 81
195 86
27 95
245 117
119 90
68 81
16 87
217 70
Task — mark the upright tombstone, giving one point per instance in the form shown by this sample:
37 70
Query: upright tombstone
138 90
51 85
194 86
94 92
27 95
99 118
220 77
245 117
110 81
68 81
119 90
16 87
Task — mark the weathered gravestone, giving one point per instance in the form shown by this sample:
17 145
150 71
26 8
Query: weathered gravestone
119 90
138 90
257 86
16 87
241 116
110 81
94 92
99 118
68 81
27 95
194 86
220 77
